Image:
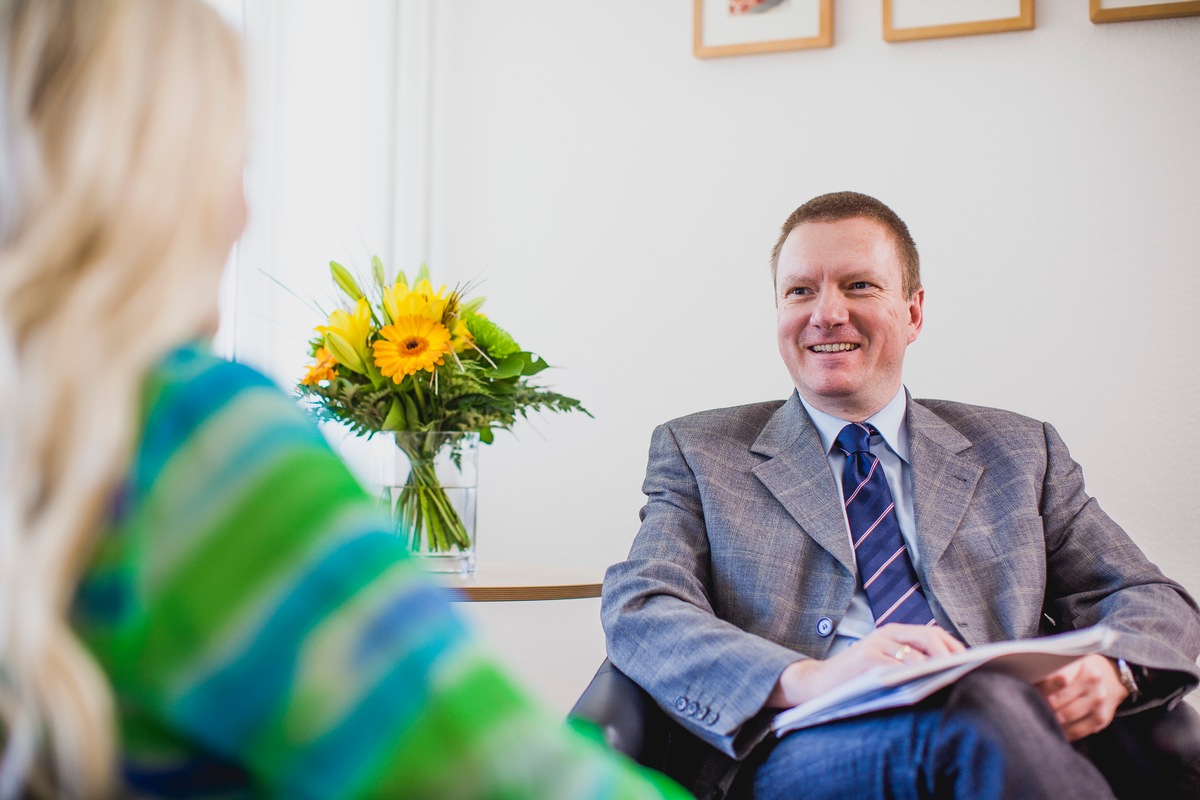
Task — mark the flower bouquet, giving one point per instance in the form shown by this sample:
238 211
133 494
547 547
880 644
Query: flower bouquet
433 371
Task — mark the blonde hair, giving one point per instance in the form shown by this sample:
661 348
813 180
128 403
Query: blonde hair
121 137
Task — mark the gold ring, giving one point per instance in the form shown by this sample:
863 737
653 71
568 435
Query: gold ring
901 653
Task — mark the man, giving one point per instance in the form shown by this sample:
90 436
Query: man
785 549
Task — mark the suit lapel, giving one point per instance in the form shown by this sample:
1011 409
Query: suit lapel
943 478
798 475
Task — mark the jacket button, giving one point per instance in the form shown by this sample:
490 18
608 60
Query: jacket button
701 712
712 718
691 708
680 703
824 626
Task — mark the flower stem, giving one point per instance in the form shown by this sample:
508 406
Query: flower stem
424 514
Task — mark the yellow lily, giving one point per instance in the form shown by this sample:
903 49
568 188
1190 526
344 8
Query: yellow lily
399 302
352 329
344 353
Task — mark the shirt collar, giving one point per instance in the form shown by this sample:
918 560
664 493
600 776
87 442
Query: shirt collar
890 421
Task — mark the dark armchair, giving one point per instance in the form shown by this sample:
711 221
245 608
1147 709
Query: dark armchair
634 725
1153 754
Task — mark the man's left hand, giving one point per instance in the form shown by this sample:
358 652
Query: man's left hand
1084 695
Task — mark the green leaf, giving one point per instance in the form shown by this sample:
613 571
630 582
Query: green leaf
507 368
395 421
377 271
345 281
534 364
519 364
410 412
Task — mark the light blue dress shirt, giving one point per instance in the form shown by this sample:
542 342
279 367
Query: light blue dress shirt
891 447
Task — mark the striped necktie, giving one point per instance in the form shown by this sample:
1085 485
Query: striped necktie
891 583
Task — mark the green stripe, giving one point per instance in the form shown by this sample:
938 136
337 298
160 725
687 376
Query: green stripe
250 550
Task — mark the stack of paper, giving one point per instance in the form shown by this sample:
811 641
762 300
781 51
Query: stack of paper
891 687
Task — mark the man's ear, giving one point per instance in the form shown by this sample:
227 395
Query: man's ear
916 314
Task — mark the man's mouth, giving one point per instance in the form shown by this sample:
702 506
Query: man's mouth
839 347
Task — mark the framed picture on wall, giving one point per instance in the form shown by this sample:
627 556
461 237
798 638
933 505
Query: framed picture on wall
905 20
1126 10
740 27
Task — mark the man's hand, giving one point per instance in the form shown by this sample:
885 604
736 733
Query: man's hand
1084 695
893 645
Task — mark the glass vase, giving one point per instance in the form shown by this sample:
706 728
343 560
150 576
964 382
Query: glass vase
430 489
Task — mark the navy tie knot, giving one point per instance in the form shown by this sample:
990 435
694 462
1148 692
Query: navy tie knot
855 438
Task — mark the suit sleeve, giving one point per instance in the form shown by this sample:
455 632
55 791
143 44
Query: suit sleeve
1097 575
660 623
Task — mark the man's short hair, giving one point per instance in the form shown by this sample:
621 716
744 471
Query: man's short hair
838 206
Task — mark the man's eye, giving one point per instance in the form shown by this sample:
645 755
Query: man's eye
798 290
860 285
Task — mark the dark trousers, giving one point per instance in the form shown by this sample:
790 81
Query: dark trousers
1151 754
987 736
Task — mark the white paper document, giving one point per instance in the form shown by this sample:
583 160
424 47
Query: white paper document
891 687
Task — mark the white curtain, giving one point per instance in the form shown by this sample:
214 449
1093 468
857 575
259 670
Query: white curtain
336 165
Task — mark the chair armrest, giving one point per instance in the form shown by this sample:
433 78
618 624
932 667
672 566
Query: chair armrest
1153 753
629 720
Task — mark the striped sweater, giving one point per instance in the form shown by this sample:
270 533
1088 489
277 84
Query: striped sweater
266 636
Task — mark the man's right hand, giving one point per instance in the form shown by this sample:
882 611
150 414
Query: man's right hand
893 645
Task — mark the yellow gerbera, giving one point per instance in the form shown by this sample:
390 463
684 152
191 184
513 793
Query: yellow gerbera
411 344
322 370
421 301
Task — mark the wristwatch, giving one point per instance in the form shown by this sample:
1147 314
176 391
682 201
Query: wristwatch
1125 675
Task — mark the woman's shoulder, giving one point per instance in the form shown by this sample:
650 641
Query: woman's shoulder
192 395
191 381
194 371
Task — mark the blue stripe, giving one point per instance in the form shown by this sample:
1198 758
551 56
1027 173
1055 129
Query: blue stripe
104 598
393 705
185 403
232 704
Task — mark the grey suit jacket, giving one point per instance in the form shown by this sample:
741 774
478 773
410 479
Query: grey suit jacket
743 563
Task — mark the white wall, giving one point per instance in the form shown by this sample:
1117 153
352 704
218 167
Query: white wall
320 168
620 197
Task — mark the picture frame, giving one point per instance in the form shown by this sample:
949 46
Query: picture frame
781 25
906 20
1129 10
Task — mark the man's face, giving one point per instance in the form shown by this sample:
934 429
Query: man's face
843 323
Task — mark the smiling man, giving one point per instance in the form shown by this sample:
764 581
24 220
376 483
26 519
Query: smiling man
787 547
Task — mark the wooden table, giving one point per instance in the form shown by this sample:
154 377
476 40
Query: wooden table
504 582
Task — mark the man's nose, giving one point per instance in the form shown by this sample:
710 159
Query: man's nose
830 310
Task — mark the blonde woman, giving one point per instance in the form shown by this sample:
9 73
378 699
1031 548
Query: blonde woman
196 599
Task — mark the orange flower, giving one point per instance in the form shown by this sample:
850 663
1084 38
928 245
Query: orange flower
412 344
323 370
